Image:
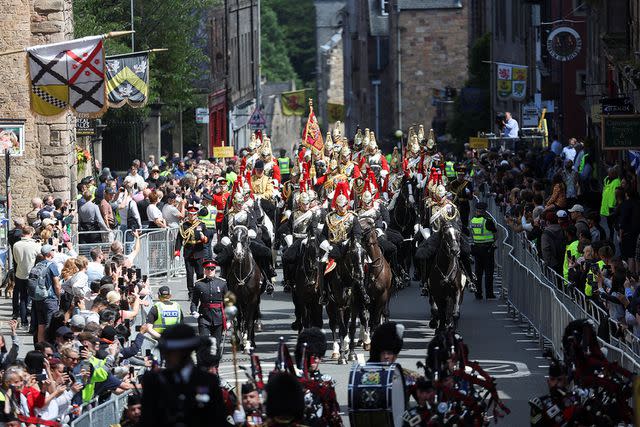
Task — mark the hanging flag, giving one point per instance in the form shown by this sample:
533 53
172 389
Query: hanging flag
293 103
128 79
335 112
312 137
66 75
512 81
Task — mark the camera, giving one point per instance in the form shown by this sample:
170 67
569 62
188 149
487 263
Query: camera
500 118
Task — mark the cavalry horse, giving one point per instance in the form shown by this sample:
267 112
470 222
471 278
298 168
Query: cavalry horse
243 279
404 214
306 292
345 284
446 278
377 282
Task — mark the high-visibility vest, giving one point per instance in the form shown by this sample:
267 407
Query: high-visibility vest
479 230
283 163
609 195
168 315
449 169
98 375
573 249
583 160
210 219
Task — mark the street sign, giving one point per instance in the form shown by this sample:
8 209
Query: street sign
619 132
202 116
223 152
478 143
257 120
617 105
85 127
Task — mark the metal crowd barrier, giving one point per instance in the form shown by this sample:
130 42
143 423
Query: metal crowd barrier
105 414
103 240
537 294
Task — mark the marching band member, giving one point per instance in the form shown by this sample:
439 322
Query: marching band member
321 404
192 238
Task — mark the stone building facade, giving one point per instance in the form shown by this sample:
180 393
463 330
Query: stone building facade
47 166
430 42
397 53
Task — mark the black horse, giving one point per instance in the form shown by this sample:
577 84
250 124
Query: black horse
243 279
445 277
403 211
346 285
306 292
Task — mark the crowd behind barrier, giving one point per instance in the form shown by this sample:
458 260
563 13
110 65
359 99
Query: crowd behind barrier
537 294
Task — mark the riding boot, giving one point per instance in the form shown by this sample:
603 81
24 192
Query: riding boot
424 285
265 267
324 296
465 261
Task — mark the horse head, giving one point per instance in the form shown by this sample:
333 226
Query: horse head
368 231
240 241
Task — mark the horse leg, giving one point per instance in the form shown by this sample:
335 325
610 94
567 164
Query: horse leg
258 321
435 315
344 336
251 332
331 313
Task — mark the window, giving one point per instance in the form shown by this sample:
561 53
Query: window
384 7
581 82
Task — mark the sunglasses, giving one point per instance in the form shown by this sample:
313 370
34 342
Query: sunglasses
209 268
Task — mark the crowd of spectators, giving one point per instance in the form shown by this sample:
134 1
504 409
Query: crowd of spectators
80 310
581 217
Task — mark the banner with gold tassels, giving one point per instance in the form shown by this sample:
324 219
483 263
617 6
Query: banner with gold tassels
312 137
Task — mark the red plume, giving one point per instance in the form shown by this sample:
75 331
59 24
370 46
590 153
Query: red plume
259 135
373 183
342 187
303 186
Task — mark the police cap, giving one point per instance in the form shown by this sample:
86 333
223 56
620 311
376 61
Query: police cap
481 206
164 291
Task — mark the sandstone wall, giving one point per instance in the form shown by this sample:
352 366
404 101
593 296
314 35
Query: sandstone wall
434 46
47 165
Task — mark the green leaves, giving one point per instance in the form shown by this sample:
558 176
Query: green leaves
172 24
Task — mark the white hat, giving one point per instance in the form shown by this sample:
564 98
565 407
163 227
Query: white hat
577 208
342 200
562 214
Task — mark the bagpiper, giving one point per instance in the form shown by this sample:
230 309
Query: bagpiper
321 404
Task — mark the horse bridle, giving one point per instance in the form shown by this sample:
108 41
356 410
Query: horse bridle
243 280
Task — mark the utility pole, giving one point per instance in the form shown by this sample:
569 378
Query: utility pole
133 34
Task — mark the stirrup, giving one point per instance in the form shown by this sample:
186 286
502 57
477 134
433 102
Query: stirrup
269 288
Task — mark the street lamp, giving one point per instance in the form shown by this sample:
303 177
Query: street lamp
399 134
7 145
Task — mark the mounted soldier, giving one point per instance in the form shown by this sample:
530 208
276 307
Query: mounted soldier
374 159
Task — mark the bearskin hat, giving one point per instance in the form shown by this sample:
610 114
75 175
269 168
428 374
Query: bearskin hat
580 338
386 337
316 343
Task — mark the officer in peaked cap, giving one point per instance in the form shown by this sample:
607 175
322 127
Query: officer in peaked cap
181 395
207 303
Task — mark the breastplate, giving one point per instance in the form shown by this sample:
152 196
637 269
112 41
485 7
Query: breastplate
339 227
301 221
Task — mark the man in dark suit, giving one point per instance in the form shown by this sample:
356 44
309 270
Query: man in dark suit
181 395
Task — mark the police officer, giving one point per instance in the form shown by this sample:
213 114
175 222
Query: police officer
284 163
192 236
483 233
163 313
207 304
181 395
321 404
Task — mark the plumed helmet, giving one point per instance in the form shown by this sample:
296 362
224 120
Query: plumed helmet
367 197
342 200
386 337
414 145
333 164
265 151
304 198
313 196
238 197
316 344
440 191
345 151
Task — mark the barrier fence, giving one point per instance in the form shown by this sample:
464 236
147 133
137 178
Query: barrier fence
155 257
539 295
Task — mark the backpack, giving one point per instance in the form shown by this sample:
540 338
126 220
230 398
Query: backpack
37 281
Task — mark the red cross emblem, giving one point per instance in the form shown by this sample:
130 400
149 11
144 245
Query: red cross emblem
85 63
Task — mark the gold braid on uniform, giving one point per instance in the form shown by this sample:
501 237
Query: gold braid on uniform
188 235
337 227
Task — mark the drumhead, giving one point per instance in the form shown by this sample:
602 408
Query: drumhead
398 396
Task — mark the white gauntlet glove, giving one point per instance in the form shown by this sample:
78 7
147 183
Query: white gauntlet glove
226 241
288 239
239 416
252 234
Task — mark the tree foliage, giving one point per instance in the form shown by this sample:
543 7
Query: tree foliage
171 24
465 122
276 64
297 20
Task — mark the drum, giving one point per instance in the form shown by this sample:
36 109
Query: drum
376 395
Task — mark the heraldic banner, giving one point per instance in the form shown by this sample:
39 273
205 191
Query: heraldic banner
512 81
68 75
312 137
128 79
293 103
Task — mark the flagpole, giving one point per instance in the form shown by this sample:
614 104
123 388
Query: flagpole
164 49
108 35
